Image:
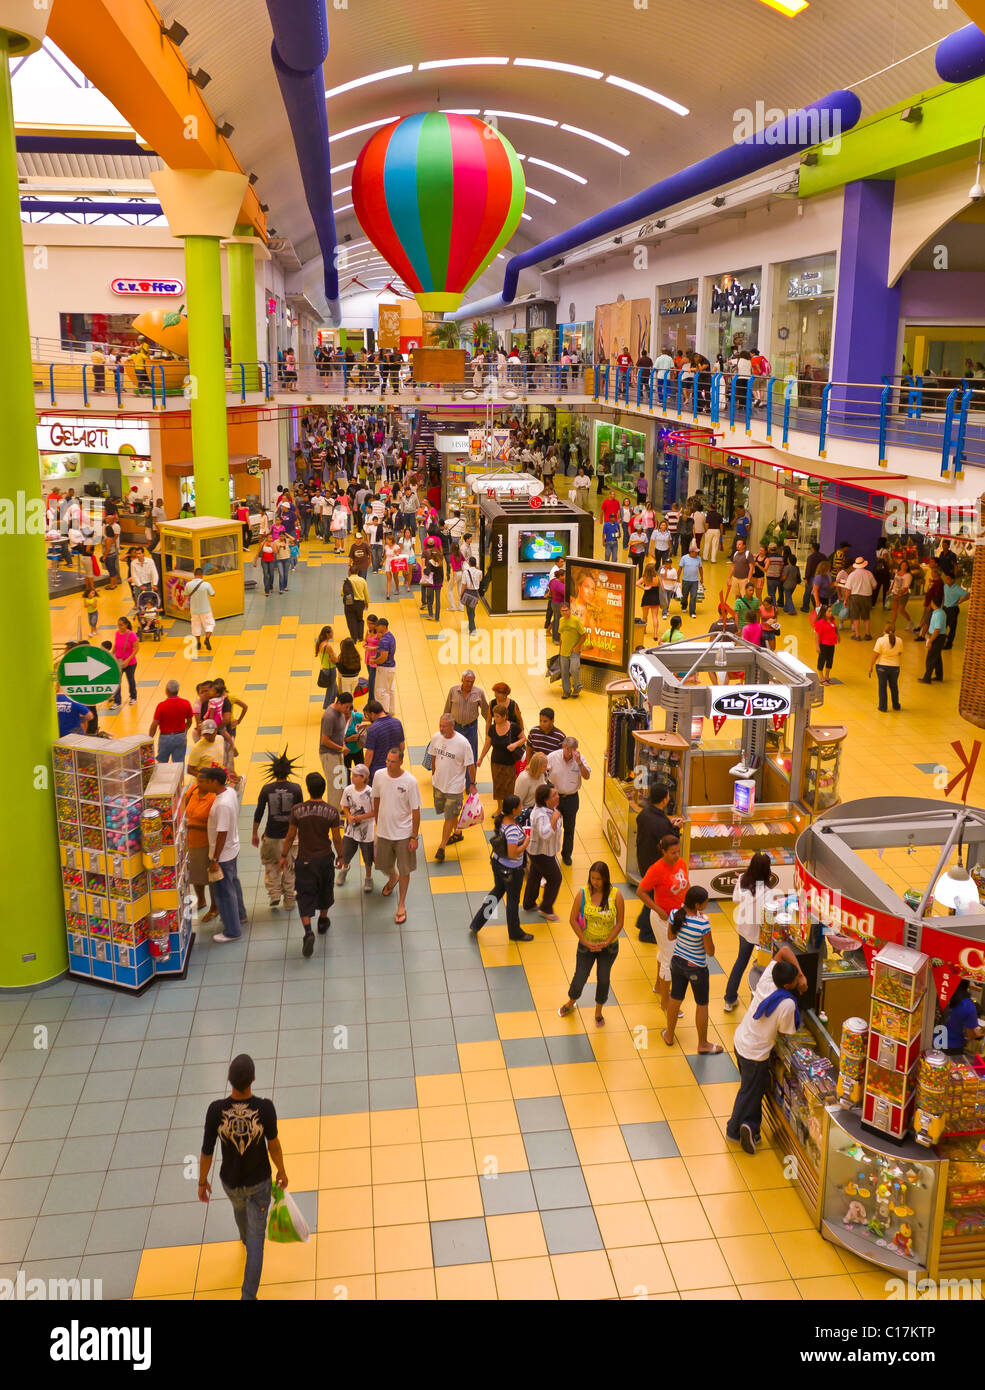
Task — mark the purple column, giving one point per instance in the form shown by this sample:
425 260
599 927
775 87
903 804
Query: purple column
867 311
847 524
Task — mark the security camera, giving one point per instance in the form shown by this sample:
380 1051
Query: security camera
977 192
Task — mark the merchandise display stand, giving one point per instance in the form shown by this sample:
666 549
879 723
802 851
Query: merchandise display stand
215 546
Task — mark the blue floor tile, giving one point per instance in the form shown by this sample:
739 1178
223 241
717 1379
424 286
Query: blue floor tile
256 687
272 729
240 668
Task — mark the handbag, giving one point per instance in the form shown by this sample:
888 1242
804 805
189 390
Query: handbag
554 667
360 689
325 678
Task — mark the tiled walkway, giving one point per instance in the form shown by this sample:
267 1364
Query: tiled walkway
445 1132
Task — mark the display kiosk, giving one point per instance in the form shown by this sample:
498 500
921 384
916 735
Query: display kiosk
520 541
216 546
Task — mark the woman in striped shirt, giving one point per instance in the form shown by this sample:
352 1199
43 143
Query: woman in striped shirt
690 931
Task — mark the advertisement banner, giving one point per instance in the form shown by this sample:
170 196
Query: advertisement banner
602 595
388 334
843 914
959 958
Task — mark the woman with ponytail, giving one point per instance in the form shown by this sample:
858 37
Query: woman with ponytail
690 932
508 844
596 919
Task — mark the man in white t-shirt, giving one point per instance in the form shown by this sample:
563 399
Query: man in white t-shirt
397 807
773 1010
198 591
452 771
223 832
860 583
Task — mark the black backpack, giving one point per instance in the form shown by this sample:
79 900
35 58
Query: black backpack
348 592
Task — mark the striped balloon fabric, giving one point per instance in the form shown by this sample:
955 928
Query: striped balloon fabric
438 195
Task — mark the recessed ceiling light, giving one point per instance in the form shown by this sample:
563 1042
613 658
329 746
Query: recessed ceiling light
556 67
520 116
462 63
460 111
599 139
649 93
341 168
557 168
537 194
370 78
358 129
787 7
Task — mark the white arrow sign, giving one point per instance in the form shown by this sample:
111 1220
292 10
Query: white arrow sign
90 668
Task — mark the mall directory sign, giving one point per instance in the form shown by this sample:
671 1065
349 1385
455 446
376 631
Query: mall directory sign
89 674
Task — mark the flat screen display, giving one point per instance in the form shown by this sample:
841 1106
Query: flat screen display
543 545
534 585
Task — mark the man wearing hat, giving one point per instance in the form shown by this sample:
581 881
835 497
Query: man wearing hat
861 583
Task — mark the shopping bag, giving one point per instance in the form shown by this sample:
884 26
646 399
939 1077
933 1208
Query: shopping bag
285 1222
471 813
360 689
554 667
415 575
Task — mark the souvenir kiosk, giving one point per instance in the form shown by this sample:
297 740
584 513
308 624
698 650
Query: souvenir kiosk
521 538
722 703
216 546
888 1129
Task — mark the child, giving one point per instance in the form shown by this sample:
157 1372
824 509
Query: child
89 603
357 809
826 637
295 547
690 933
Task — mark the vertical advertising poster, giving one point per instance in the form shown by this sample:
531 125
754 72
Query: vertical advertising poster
602 595
389 326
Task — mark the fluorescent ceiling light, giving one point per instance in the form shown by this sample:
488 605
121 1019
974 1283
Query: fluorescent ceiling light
463 63
460 111
369 79
520 116
358 129
649 93
557 168
348 208
526 216
556 67
599 139
537 194
341 168
787 7
339 191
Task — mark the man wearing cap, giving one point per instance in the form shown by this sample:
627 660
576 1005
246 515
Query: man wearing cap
860 585
246 1127
209 751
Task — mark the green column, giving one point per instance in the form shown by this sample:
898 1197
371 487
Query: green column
206 365
32 935
241 261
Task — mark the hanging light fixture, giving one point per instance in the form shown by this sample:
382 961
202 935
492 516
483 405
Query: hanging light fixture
956 890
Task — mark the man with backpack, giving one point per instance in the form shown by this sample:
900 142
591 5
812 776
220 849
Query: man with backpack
355 600
472 586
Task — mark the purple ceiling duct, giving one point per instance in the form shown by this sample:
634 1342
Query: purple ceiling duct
298 52
961 56
77 206
821 120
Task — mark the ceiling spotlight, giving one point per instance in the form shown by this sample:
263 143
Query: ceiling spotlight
558 262
200 77
253 179
913 115
271 231
617 241
176 32
660 224
264 207
225 130
810 158
718 202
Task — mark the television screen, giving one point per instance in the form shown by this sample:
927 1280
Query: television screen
543 545
534 585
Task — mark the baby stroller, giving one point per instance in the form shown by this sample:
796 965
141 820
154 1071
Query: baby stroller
149 625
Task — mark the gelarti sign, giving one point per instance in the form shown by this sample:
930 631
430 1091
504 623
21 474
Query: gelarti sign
72 435
169 289
833 909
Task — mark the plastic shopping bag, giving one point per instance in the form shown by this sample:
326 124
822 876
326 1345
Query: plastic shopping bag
285 1223
472 812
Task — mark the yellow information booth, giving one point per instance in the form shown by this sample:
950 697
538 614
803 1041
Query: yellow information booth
213 544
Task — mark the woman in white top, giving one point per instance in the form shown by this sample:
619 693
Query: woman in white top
392 554
750 898
360 826
546 832
339 521
534 775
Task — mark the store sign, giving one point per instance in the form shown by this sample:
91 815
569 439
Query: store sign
640 674
724 883
750 702
682 304
732 297
808 285
965 957
833 909
85 435
164 288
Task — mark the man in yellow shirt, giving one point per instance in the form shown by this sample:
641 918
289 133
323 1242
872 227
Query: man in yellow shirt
573 634
355 601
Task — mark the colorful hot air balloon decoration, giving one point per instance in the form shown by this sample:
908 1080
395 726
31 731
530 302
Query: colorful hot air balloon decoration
438 195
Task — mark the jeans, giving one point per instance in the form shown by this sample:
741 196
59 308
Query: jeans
603 961
268 567
376 556
250 1207
746 949
354 620
689 596
888 677
506 883
131 677
171 748
788 604
934 667
612 551
282 570
568 806
754 1078
471 732
229 898
432 593
625 533
571 672
950 614
542 868
470 604
555 621
330 689
773 591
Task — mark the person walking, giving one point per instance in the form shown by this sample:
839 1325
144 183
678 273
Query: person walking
125 648
545 737
826 637
453 770
360 826
316 825
566 770
773 1010
432 578
385 732
860 584
196 804
173 718
246 1128
610 537
936 637
504 738
714 524
397 808
556 591
653 824
385 665
692 576
740 571
750 897
199 592
690 933
508 845
349 665
596 919
465 702
899 593
223 828
355 600
471 590
266 560
334 723
955 595
887 654
573 635
789 579
546 831
662 889
328 663
277 799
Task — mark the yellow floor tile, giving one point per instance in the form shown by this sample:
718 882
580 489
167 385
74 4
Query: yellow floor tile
171 1269
680 1218
807 1254
667 1070
589 1110
406 1285
394 1127
295 1291
518 1025
344 1168
222 1266
486 1085
397 1163
612 1045
358 1287
727 1293
697 1264
516 1237
299 1137
454 1199
528 1280
712 1173
612 1182
783 1209
402 1248
683 1103
583 1276
872 1286
734 1214
341 1253
480 1056
399 1203
752 1259
551 1025
499 1153
469 1282
636 1107
663 1177
449 1158
641 1270
206 1295
831 1286
623 1074
760 1170
288 1264
697 1137
575 1078
721 1097
777 1290
445 1089
527 1082
444 1122
447 883
625 1223
345 1209
603 1144
493 1117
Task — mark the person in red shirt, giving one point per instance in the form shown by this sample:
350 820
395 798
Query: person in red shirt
826 636
611 509
662 889
624 365
173 718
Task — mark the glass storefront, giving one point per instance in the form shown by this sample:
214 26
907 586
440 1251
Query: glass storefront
732 325
578 337
623 452
677 323
948 351
803 312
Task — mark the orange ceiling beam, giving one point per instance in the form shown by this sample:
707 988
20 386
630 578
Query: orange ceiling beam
119 46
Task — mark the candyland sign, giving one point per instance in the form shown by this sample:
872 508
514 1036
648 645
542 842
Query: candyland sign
842 914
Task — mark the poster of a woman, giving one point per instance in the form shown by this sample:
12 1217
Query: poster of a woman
601 595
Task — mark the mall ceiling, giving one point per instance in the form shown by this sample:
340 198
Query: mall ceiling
707 61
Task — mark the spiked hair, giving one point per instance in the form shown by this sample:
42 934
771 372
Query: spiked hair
280 768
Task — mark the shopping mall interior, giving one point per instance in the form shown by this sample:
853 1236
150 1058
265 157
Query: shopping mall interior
652 397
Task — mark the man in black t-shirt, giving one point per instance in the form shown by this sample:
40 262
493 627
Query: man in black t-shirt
246 1127
317 827
652 824
278 797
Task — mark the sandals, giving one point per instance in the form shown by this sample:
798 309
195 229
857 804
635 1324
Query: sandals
715 1051
599 1021
400 918
565 1010
387 889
